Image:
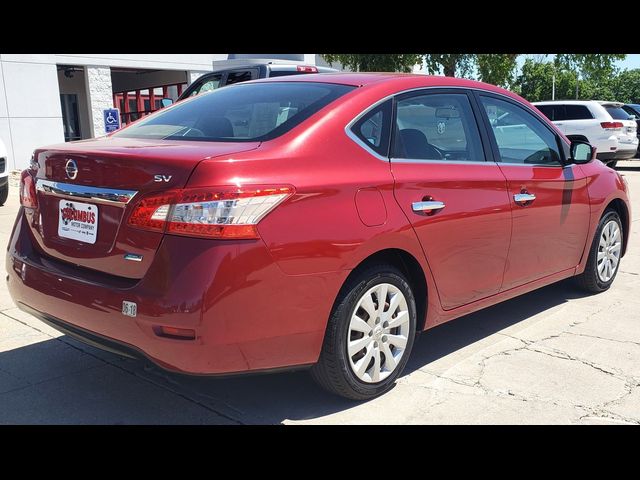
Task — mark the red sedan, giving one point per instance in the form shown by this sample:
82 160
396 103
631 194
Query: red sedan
318 221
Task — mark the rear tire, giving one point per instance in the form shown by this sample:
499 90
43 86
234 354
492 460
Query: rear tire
366 347
4 193
606 248
612 164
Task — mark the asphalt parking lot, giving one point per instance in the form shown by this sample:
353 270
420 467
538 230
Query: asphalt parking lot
554 355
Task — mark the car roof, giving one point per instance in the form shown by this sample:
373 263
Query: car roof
605 103
565 102
226 65
360 79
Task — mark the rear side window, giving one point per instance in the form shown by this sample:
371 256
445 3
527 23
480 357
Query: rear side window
241 76
284 73
242 113
577 112
374 128
559 112
617 113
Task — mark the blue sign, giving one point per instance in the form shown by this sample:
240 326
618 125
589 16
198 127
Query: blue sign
111 120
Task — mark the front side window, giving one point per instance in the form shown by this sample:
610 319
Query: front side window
242 113
521 137
437 127
551 111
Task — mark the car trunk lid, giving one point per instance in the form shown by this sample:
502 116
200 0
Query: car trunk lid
86 191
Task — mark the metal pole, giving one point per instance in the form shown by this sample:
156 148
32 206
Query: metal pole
553 87
577 82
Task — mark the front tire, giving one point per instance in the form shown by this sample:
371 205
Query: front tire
604 255
369 335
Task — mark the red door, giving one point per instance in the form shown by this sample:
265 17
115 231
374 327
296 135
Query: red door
549 202
455 199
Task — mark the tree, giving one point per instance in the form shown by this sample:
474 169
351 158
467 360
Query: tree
375 62
535 82
492 68
451 64
593 65
497 69
626 86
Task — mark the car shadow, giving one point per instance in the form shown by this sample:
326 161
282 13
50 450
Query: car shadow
56 389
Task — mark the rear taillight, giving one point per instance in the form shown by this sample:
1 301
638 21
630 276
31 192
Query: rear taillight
28 196
151 212
307 69
209 212
611 125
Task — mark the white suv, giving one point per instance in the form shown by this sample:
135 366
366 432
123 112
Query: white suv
605 125
4 174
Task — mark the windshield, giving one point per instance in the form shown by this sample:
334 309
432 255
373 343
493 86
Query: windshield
242 113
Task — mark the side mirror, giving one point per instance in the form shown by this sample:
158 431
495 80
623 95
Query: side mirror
166 102
582 152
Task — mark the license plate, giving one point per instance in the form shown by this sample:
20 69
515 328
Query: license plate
130 309
78 221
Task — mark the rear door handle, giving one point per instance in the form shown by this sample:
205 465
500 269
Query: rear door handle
427 206
524 199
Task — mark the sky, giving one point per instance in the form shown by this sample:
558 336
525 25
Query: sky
632 61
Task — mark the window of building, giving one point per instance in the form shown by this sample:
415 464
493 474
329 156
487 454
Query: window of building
70 117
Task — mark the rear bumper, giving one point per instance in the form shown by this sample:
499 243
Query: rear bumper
625 154
247 315
85 336
617 155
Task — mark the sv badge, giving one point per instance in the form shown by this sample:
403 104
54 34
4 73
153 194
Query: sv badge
162 178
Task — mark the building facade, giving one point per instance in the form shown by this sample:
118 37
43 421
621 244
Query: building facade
53 98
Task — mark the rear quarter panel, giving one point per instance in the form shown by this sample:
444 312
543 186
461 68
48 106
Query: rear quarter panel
319 229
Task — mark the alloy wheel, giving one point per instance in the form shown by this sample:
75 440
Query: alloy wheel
378 333
609 250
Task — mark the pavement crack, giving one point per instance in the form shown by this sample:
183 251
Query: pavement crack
603 338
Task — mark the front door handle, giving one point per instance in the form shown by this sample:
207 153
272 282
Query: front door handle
429 206
524 199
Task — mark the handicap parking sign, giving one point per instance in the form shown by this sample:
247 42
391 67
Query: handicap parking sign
111 120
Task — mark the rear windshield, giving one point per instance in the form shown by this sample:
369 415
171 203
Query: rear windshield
242 113
286 73
617 113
